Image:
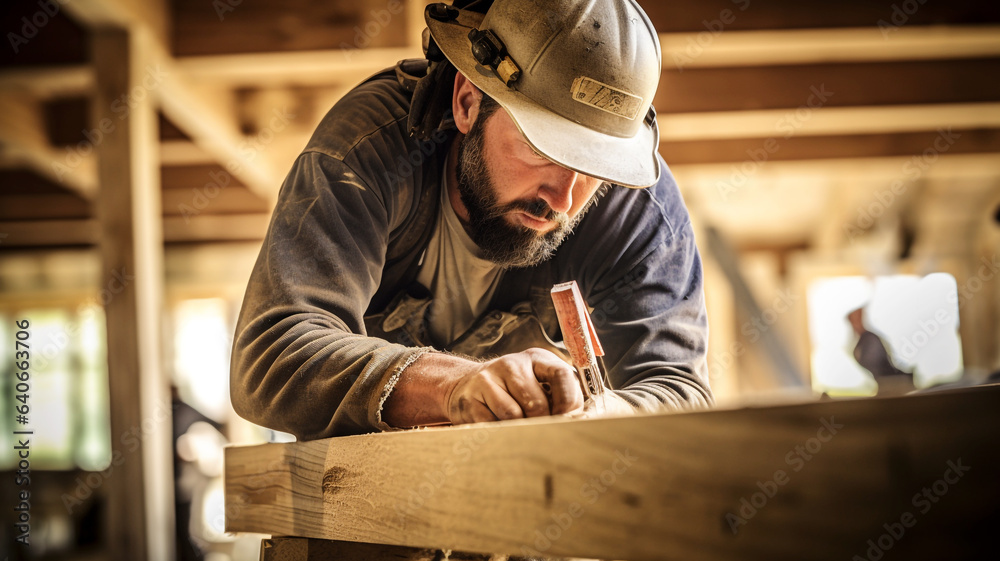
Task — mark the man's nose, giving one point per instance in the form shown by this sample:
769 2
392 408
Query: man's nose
558 190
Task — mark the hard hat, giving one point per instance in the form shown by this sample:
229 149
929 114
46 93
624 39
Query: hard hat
576 76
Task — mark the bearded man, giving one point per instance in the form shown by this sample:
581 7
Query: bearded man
405 276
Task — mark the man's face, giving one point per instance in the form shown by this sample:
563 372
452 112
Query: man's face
520 205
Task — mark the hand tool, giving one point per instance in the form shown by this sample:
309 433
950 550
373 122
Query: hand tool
581 341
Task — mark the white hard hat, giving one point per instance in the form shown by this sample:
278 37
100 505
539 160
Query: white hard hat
576 76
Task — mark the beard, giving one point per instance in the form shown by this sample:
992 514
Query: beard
508 245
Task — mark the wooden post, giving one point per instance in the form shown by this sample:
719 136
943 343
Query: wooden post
124 132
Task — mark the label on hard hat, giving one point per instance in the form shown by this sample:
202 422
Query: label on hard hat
606 98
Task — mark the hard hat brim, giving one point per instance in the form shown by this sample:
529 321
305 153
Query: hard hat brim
630 162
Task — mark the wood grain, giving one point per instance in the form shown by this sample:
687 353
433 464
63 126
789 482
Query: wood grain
646 487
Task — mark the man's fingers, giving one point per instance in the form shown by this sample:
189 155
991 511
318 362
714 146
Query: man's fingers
471 410
511 387
529 394
500 402
561 378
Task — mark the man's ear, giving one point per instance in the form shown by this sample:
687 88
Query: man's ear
465 103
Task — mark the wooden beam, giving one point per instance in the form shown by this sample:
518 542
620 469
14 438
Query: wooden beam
202 228
200 115
140 499
206 228
730 49
304 68
784 123
127 14
823 46
39 233
680 50
800 147
693 16
231 201
870 171
182 153
816 480
42 207
24 144
44 83
213 130
204 29
824 86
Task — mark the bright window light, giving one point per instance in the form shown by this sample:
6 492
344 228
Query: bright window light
202 345
915 317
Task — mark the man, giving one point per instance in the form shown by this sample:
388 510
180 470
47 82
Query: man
394 266
870 353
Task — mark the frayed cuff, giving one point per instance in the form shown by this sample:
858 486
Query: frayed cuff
390 384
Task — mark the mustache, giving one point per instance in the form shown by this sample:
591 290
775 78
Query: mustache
537 208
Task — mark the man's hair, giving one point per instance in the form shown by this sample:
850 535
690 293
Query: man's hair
487 107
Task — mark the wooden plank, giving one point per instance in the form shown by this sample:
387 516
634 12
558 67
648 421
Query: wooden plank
730 49
800 147
252 27
176 229
48 233
198 176
847 84
820 479
300 68
680 50
182 153
195 200
210 228
126 14
784 123
45 82
43 206
824 46
698 15
140 497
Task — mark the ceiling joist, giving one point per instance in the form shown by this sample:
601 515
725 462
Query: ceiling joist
820 46
24 144
212 129
804 121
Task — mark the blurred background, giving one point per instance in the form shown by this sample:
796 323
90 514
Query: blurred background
839 159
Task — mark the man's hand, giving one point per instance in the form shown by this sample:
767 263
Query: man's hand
441 388
511 387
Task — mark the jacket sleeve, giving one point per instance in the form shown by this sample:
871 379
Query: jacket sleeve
649 308
301 361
